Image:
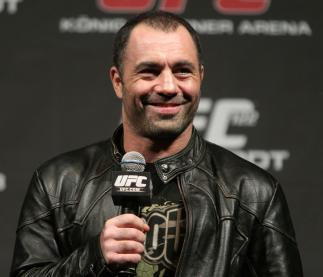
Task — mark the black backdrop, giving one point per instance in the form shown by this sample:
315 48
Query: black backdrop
262 96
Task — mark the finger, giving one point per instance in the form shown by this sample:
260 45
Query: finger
115 258
123 247
130 247
128 234
129 220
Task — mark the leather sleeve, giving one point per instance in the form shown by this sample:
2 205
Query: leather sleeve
37 251
273 250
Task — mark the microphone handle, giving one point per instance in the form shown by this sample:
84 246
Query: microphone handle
130 269
130 208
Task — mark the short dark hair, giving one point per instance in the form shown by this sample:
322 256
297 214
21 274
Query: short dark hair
161 20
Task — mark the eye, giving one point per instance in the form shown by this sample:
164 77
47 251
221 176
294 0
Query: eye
150 72
182 71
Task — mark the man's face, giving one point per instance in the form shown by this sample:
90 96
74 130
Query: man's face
160 82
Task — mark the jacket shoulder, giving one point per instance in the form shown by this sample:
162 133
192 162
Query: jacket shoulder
70 170
239 178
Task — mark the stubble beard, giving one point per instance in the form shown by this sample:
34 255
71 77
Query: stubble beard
163 127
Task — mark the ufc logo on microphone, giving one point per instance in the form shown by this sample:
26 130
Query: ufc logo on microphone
128 180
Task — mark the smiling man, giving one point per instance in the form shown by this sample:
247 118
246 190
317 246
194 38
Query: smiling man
212 213
159 83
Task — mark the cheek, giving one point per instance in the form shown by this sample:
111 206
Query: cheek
137 90
131 100
192 89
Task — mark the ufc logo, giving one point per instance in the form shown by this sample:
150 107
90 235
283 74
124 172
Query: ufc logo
11 5
241 6
178 6
137 6
128 180
222 115
3 182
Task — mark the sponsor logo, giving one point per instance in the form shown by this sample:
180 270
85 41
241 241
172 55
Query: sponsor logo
9 6
274 28
215 119
131 182
250 7
242 6
137 6
83 23
3 182
130 187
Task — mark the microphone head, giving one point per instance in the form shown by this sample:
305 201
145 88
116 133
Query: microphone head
133 161
132 187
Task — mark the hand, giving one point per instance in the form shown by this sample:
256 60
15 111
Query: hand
122 239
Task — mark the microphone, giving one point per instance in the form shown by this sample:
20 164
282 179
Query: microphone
132 186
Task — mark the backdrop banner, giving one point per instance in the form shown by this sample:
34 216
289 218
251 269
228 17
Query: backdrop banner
262 96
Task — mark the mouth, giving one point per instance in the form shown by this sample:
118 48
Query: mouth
164 105
165 108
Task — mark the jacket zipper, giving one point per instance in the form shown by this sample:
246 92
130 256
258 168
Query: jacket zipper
188 225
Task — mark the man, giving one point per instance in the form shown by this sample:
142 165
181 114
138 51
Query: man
213 214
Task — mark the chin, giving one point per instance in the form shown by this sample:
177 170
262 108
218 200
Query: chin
165 131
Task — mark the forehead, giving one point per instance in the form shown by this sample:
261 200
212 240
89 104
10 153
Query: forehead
147 42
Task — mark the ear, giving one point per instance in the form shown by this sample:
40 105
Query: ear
116 80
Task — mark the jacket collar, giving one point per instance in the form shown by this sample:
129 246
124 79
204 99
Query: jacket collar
169 167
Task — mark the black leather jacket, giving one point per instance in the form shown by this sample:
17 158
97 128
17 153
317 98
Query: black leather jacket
238 223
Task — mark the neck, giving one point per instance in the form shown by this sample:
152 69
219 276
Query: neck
152 149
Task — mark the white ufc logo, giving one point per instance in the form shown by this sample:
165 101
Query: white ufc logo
3 182
12 5
222 114
128 180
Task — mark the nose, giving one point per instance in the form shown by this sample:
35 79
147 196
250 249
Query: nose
166 83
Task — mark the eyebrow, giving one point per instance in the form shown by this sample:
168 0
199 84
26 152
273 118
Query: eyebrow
148 64
184 63
144 65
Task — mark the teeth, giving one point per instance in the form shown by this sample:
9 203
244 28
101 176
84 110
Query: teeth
165 105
